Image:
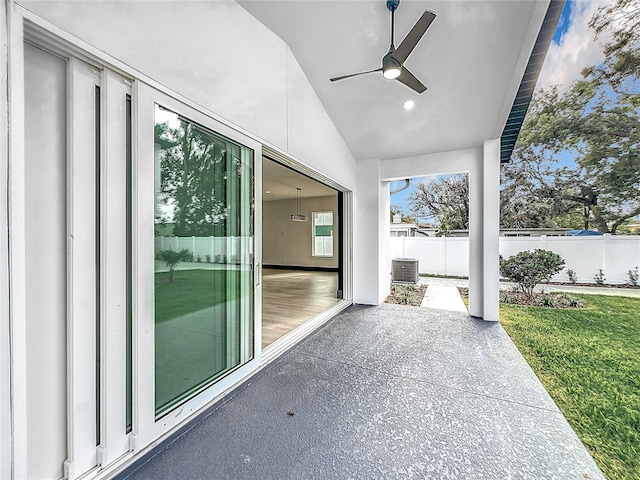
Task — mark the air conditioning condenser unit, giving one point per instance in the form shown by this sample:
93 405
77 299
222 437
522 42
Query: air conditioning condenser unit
404 270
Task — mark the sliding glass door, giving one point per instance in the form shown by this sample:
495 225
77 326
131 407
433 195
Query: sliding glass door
203 288
198 248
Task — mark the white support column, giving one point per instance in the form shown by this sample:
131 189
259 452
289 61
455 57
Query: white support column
17 239
368 255
491 230
476 237
384 257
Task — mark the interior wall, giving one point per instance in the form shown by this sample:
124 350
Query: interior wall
285 242
218 55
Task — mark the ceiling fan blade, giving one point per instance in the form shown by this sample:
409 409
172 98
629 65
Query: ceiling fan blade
413 37
407 78
335 79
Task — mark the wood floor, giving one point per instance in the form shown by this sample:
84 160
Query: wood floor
291 297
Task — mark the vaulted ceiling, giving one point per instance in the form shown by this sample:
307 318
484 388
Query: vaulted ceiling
471 59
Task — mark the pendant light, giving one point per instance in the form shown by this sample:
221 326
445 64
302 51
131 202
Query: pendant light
298 216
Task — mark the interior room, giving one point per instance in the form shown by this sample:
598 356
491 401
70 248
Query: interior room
300 249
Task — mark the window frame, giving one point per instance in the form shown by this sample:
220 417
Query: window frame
313 233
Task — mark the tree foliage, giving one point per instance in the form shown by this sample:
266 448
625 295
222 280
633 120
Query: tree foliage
529 268
621 66
597 123
171 258
405 217
443 200
194 167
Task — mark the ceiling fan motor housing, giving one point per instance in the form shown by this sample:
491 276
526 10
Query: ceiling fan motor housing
393 4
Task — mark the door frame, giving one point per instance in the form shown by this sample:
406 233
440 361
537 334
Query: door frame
146 427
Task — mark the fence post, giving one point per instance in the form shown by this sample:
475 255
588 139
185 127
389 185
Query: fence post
443 257
605 251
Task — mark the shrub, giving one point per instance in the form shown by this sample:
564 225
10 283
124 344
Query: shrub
634 276
551 300
572 275
599 277
527 269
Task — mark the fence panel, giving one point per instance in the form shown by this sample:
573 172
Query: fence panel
615 255
234 250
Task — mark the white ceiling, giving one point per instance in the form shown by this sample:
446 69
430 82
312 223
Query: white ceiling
282 182
466 59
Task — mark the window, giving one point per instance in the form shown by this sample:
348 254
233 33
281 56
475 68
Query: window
323 234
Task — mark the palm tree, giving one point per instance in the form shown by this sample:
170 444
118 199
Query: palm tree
171 258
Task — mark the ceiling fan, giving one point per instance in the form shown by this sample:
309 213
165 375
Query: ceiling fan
392 62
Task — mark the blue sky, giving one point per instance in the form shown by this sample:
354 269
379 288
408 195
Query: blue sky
563 23
573 48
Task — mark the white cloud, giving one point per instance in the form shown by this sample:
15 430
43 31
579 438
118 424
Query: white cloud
577 48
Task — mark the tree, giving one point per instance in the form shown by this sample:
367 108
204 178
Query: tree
597 122
171 258
405 217
444 200
197 168
622 57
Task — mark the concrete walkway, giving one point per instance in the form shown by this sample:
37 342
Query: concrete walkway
443 297
593 290
382 393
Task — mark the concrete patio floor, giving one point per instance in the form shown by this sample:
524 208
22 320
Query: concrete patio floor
385 392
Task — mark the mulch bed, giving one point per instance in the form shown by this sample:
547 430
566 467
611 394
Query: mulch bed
406 294
552 300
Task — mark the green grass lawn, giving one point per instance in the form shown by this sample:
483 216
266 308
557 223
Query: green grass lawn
194 290
589 361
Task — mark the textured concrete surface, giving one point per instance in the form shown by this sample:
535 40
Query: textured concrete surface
443 297
386 392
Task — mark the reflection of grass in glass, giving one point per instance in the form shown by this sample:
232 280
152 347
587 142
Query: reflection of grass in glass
194 290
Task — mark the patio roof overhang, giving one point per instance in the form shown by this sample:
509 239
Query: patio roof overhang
523 98
478 59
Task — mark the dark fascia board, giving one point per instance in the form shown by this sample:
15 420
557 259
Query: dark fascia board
529 80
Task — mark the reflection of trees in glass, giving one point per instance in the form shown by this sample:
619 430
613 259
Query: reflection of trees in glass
171 258
194 166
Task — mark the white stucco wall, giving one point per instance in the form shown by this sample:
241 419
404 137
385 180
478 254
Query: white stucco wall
212 53
372 228
219 56
371 201
5 378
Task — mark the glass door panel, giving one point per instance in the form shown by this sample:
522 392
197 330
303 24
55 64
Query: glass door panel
204 240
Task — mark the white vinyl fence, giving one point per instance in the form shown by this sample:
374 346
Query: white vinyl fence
235 250
614 254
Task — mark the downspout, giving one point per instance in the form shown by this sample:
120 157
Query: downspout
404 187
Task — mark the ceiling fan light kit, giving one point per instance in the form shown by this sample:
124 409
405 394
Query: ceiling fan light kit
393 62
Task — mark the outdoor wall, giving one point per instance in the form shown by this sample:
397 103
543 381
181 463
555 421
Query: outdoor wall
211 54
5 365
289 243
218 55
615 255
371 201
